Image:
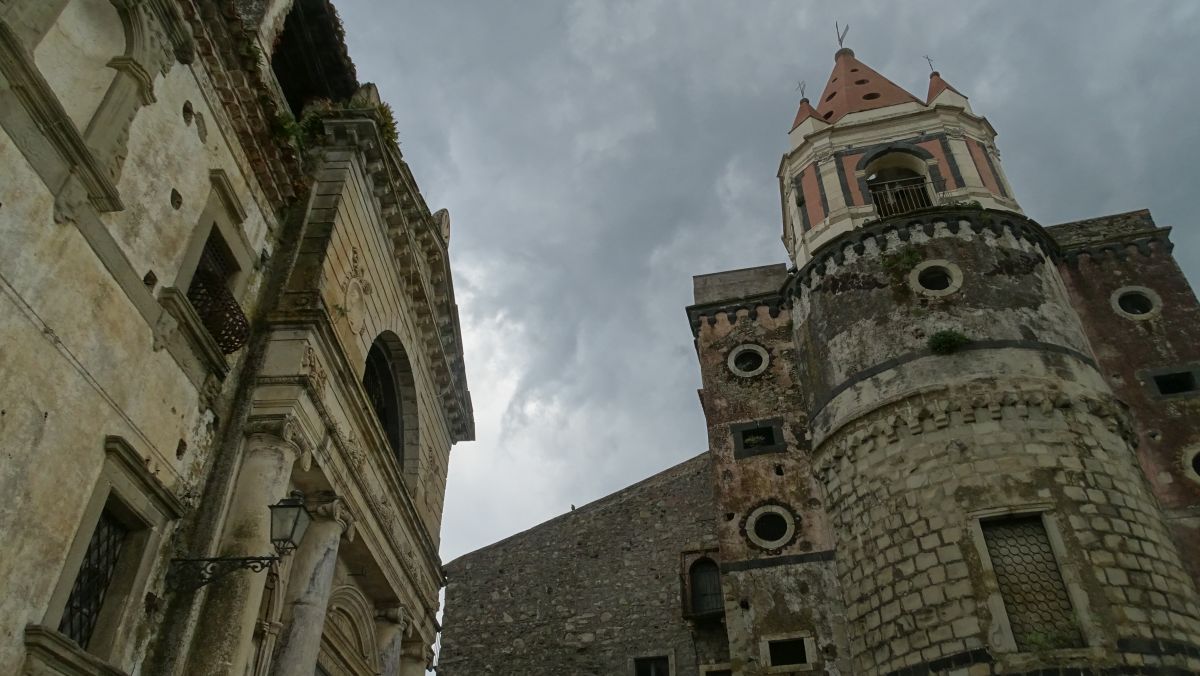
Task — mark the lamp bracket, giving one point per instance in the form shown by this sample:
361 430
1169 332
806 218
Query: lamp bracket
192 574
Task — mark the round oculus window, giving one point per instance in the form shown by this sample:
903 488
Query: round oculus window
1191 463
770 526
935 278
1136 302
748 360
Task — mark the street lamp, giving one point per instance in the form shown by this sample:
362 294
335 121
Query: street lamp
289 520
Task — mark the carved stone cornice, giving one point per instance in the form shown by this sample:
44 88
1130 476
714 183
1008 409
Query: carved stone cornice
918 412
729 311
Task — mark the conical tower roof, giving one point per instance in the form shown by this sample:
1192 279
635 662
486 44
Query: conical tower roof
937 85
853 87
806 111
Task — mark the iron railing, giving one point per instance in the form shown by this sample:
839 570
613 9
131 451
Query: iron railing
218 310
893 198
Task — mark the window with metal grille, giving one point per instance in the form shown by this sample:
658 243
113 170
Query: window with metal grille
704 579
379 381
1035 597
652 666
211 294
94 578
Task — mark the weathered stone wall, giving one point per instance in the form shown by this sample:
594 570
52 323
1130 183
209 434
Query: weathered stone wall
586 592
1103 257
786 587
918 446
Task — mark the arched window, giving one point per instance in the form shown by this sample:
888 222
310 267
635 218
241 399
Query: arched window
704 579
898 183
379 381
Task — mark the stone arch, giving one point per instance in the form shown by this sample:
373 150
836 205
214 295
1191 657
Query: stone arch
348 638
889 148
388 357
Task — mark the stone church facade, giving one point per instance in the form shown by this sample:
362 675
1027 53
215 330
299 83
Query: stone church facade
227 311
945 440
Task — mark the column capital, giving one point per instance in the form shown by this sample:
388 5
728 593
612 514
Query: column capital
282 427
333 508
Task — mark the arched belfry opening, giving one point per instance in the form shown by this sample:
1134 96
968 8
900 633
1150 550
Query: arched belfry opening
309 57
898 183
388 382
705 588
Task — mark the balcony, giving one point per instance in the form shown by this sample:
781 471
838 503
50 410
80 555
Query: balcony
894 198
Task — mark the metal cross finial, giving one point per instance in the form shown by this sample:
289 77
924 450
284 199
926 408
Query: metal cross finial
841 34
800 87
930 62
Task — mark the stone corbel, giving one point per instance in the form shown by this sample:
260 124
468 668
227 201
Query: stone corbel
143 78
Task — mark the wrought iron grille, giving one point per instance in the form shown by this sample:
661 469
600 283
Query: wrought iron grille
1039 610
94 578
218 310
893 198
706 588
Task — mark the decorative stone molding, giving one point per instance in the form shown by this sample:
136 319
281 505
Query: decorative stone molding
311 364
336 509
730 311
42 104
285 427
355 289
1122 249
956 221
49 652
907 417
397 615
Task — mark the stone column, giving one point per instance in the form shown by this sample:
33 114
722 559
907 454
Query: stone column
416 657
308 590
224 638
390 626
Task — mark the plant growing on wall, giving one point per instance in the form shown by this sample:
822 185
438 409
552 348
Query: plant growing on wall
946 342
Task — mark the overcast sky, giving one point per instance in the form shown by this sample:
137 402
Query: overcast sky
596 155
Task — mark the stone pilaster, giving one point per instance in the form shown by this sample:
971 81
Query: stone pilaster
224 639
308 590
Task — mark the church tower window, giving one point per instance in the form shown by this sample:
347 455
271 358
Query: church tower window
379 381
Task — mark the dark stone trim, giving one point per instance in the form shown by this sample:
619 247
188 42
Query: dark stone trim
774 301
821 189
992 168
841 172
739 451
906 146
955 173
957 660
892 363
977 219
801 202
772 561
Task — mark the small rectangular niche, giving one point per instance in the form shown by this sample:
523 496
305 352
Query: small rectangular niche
1177 382
760 436
788 653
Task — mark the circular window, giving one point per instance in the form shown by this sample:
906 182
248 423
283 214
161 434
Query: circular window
860 82
830 97
828 115
748 360
770 526
1191 463
871 97
1136 302
935 278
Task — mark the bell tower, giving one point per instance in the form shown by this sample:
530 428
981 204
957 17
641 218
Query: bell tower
871 150
919 465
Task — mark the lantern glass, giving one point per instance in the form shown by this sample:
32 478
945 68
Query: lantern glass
289 520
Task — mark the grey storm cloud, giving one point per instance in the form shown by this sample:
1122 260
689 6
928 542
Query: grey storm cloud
596 155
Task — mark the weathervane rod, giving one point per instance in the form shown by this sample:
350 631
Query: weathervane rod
801 87
841 34
930 63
